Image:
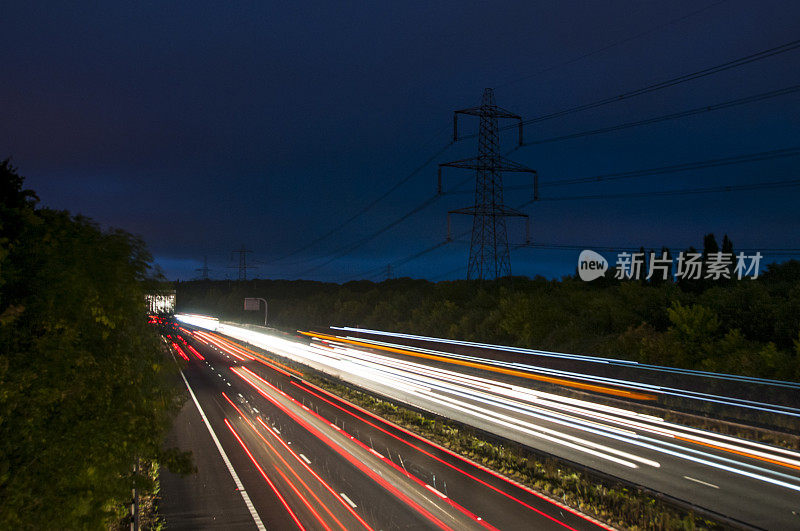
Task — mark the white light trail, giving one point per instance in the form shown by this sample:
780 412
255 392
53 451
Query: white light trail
530 412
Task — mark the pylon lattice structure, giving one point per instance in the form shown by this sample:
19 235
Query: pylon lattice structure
489 256
204 270
243 267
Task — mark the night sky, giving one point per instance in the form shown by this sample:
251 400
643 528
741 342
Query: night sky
202 126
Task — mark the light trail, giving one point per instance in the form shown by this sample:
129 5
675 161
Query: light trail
576 357
225 459
383 458
671 391
248 376
237 351
488 367
194 351
311 388
180 351
211 340
291 469
423 376
347 506
259 357
266 478
543 433
521 409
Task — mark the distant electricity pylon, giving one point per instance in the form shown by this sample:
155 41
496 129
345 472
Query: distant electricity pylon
243 267
204 270
488 253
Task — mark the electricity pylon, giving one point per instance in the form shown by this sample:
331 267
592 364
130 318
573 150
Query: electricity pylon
243 267
204 270
489 257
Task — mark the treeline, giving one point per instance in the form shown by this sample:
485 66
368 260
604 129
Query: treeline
737 326
85 391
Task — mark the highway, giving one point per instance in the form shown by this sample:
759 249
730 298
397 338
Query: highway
729 394
748 481
302 458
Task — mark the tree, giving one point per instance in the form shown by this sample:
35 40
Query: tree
85 390
709 245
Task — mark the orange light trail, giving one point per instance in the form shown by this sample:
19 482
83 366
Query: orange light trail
738 452
258 357
264 475
325 439
511 372
322 481
252 426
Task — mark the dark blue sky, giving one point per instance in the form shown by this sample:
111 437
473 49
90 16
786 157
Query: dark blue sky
202 126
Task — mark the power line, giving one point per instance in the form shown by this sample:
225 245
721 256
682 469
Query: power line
783 48
345 250
729 188
674 168
733 188
363 210
783 251
771 251
611 248
350 248
612 45
673 116
684 191
687 166
687 77
418 254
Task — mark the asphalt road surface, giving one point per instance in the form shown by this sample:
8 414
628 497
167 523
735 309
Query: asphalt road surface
306 459
750 482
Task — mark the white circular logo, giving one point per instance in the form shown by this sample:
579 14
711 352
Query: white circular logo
591 265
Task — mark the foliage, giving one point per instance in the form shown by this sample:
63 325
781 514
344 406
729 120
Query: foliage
85 390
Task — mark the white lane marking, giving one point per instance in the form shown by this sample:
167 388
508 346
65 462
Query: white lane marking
236 480
442 496
701 482
348 500
304 458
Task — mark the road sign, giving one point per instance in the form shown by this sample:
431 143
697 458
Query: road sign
252 303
